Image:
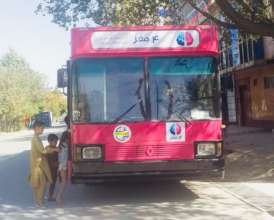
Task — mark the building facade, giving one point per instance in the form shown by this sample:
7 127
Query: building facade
246 69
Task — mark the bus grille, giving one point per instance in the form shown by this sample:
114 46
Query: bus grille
127 153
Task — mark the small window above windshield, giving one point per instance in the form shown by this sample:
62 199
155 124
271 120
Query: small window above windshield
180 66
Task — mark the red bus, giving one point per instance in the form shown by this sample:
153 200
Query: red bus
144 102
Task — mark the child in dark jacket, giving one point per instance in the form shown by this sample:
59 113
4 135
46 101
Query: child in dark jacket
53 164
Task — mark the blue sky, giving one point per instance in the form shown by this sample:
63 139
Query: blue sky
43 44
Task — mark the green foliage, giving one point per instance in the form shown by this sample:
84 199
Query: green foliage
146 12
21 91
67 13
255 17
23 94
55 102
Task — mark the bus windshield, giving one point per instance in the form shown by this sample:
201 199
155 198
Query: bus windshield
183 88
109 90
103 89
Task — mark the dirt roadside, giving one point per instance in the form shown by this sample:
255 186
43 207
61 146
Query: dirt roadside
249 154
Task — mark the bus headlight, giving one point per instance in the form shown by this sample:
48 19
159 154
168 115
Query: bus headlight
209 149
92 153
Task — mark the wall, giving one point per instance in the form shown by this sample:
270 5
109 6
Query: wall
268 47
261 108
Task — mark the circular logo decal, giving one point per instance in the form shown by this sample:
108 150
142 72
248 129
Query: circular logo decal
184 39
122 133
175 129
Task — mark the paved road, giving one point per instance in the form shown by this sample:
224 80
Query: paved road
140 201
13 143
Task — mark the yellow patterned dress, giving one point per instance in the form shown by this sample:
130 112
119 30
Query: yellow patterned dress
40 174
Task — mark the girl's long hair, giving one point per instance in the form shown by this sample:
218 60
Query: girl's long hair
64 138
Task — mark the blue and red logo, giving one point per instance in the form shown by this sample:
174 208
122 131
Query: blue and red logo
175 129
185 39
175 132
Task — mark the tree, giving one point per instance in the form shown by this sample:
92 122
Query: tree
251 16
68 13
21 91
55 102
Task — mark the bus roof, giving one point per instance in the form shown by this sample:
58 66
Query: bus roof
142 41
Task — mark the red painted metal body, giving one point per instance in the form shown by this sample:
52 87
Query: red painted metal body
148 141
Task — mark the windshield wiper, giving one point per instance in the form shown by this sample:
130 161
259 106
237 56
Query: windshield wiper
182 118
140 102
125 113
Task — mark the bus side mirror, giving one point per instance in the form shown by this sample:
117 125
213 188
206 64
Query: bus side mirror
62 78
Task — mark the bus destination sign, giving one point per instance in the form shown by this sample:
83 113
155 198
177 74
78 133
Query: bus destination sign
161 39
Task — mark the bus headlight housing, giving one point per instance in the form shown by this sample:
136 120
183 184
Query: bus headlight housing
92 153
209 149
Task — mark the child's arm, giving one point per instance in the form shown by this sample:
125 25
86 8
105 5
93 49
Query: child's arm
51 150
37 144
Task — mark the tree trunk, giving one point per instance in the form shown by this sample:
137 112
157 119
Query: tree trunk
262 29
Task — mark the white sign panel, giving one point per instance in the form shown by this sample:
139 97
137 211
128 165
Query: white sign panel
145 39
175 132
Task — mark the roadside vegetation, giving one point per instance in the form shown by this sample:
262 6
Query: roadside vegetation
23 94
254 17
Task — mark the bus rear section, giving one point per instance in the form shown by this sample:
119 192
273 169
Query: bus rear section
144 102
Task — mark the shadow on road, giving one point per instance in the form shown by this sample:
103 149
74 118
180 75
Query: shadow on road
14 188
131 193
146 201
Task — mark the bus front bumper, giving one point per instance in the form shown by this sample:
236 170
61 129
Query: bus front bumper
88 172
